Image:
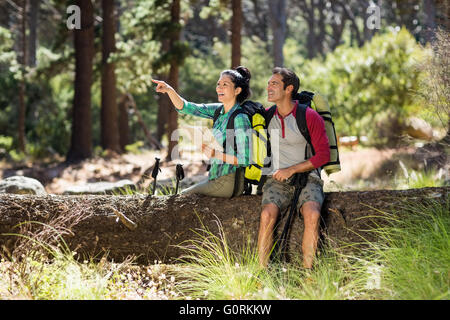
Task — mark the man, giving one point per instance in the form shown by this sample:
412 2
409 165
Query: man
288 148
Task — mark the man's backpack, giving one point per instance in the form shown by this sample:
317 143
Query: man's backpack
259 140
308 99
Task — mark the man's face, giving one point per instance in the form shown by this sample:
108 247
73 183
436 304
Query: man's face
275 88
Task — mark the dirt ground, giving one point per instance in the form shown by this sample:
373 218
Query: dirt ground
361 168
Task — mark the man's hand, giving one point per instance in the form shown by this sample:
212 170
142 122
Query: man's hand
283 174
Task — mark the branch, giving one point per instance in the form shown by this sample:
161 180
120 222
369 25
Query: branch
150 138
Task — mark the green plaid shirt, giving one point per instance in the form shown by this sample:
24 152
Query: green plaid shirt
242 126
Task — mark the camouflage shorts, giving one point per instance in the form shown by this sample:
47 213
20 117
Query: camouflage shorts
281 193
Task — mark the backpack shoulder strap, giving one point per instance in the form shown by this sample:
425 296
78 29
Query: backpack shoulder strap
230 126
302 125
269 114
217 114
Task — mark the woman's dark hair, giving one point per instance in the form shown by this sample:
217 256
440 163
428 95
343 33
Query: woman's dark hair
240 76
289 78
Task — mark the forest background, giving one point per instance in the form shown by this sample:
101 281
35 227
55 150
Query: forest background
77 105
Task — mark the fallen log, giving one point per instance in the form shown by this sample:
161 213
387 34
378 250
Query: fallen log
152 227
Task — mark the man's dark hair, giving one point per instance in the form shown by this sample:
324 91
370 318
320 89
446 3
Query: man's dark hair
289 78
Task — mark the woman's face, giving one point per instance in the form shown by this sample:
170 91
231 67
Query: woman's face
226 92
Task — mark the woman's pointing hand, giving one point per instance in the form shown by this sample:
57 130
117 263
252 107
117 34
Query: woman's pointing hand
161 86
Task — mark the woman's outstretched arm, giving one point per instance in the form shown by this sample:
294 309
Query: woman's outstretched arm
176 99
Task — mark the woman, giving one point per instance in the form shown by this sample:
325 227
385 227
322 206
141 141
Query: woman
232 90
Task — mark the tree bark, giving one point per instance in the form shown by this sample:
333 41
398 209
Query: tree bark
32 40
172 123
164 105
443 14
321 26
368 33
430 24
109 111
278 20
22 86
260 25
338 27
124 127
354 24
155 226
81 140
307 11
236 29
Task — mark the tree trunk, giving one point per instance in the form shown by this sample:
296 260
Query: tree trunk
354 24
278 20
368 33
236 29
443 14
260 27
81 144
308 14
109 111
172 123
164 105
321 26
124 127
337 25
22 86
338 29
32 40
430 25
156 225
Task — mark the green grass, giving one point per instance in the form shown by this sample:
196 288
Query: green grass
411 261
416 252
51 271
64 278
414 179
211 270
